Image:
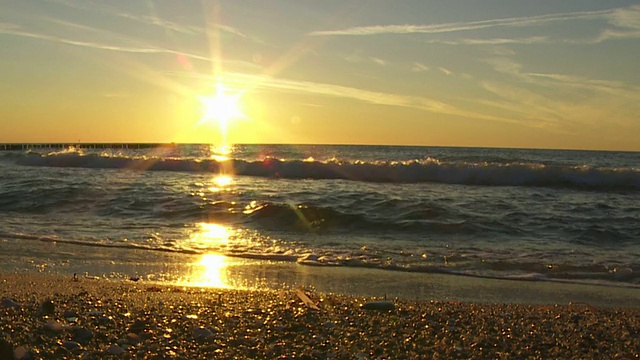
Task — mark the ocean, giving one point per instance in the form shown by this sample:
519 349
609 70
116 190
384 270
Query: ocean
165 214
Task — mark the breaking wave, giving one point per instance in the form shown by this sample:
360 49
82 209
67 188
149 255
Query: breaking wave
414 171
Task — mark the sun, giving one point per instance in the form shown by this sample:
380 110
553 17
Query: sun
221 108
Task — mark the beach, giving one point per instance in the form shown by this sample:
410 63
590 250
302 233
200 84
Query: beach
319 180
53 316
319 252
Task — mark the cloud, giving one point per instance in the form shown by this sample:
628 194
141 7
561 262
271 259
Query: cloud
419 67
626 17
623 23
261 82
378 61
463 26
7 29
445 71
614 88
505 65
117 42
561 101
494 41
525 104
512 68
103 8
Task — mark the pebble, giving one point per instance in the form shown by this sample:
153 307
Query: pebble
54 326
133 339
70 314
138 326
282 327
8 303
379 305
115 350
47 307
71 345
21 353
202 334
82 335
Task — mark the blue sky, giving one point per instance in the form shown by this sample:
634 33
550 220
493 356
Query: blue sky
544 74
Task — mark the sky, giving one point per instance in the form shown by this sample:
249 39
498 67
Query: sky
492 73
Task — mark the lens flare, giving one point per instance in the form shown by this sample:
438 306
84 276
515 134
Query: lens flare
221 107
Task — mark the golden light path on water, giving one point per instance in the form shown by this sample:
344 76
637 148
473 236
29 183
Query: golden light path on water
211 270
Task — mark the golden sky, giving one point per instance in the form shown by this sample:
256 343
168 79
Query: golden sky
496 73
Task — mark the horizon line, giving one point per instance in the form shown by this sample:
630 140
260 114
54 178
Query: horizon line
109 144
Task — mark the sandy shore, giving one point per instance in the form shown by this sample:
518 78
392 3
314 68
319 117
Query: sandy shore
53 317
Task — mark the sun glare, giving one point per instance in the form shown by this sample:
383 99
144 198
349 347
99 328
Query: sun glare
221 108
223 181
211 271
212 235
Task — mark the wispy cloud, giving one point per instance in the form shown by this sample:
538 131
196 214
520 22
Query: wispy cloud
561 101
494 41
626 17
419 67
357 57
261 82
102 7
512 68
105 40
379 61
617 23
619 90
10 29
464 26
524 104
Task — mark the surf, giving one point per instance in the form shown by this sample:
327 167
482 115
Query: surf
429 170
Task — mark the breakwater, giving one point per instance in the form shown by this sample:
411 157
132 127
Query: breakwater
28 146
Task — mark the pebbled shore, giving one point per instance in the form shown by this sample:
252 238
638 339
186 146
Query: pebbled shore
52 317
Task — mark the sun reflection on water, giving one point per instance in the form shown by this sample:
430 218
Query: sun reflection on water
221 182
211 235
210 271
220 153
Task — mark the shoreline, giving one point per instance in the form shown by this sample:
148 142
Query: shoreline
252 274
52 316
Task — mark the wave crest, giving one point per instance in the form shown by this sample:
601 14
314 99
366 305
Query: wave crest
415 171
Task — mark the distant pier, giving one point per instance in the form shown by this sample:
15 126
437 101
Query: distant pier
29 146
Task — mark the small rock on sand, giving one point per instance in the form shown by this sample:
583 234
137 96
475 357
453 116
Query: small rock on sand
21 353
47 307
68 314
115 350
82 335
71 345
8 303
379 305
202 334
133 339
54 326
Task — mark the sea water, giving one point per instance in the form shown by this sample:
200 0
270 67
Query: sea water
539 215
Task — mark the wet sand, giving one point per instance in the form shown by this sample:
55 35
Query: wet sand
54 317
